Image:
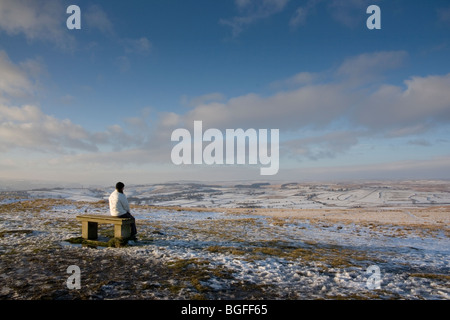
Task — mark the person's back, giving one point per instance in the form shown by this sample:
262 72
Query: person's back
119 207
118 204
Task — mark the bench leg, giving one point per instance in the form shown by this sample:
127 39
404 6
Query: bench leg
89 230
122 231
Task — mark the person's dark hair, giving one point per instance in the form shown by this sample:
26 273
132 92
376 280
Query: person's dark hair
119 185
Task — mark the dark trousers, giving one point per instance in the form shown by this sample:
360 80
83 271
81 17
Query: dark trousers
132 225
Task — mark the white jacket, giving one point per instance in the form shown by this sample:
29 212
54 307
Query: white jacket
118 204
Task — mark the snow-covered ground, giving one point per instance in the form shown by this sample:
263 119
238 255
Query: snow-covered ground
292 256
293 196
187 235
77 194
326 254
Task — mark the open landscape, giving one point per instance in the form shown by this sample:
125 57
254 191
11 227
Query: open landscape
272 151
232 240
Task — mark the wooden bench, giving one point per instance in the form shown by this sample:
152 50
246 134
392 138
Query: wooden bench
89 225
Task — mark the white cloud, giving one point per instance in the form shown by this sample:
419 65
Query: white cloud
299 79
252 11
287 110
141 45
203 99
132 156
95 18
433 168
370 66
323 146
243 3
422 103
379 109
341 96
36 20
301 13
261 6
444 15
28 127
350 13
43 20
312 101
299 17
387 110
14 80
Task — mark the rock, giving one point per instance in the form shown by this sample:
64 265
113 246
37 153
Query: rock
4 291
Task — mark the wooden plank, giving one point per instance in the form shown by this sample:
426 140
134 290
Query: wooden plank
104 219
99 216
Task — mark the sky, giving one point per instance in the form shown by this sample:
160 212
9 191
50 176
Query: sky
99 104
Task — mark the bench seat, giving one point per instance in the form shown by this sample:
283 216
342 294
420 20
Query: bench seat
89 225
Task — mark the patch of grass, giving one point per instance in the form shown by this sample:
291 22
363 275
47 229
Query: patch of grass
328 255
106 230
355 296
11 252
184 264
5 232
37 206
113 242
431 276
226 250
220 229
276 221
192 274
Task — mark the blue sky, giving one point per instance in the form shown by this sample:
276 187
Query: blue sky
99 104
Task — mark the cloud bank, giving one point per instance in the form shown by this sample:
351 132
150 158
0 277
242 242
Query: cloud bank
338 106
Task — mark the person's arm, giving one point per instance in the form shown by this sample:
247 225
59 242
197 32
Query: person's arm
124 202
114 205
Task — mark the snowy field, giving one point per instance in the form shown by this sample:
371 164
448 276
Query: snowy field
276 242
264 195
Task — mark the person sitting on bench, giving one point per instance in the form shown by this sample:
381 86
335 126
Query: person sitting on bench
119 207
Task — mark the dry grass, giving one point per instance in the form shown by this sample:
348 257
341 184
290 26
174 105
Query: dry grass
46 205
